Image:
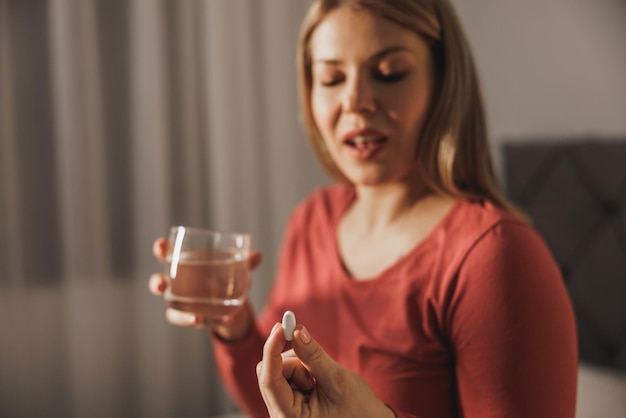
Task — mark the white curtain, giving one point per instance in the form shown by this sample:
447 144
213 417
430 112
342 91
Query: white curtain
119 118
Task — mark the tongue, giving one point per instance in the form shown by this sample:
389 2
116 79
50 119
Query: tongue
365 150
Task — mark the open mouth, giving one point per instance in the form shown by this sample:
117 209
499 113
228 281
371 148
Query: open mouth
363 142
366 144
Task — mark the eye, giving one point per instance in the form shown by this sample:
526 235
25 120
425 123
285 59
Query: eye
389 78
327 76
330 82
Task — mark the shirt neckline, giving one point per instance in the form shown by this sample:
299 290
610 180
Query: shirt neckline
421 245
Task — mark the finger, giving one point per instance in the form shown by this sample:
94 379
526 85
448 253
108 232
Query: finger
213 312
287 354
189 319
255 259
259 372
276 391
157 284
160 248
184 319
326 371
296 374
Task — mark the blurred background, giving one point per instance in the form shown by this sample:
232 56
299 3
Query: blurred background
119 118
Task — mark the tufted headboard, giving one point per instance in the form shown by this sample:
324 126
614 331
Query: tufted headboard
574 191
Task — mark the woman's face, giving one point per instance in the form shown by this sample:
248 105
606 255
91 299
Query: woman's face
372 84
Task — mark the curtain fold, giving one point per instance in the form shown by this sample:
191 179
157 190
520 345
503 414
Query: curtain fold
119 118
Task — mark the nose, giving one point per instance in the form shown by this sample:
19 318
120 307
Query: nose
359 96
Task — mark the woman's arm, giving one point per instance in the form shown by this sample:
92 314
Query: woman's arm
513 330
236 362
236 353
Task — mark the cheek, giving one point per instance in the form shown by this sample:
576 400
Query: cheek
411 109
321 108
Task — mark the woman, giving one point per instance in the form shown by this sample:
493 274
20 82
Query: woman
421 291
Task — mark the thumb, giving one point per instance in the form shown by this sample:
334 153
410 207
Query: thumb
327 372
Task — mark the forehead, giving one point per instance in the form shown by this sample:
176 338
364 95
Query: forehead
347 31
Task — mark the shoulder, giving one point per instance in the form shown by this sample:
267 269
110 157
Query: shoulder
314 218
493 248
324 204
482 226
482 244
502 233
501 267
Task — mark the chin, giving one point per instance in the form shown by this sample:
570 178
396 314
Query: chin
374 176
368 179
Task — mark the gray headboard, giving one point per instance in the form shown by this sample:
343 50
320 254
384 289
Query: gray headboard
575 194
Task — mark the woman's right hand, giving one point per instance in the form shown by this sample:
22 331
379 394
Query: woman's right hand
229 328
306 382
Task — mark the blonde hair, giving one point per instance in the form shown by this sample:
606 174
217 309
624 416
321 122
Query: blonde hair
453 152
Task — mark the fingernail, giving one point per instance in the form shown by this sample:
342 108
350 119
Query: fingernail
276 326
305 337
182 317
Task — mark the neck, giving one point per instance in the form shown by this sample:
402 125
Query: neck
377 207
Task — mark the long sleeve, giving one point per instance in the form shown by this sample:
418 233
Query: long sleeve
513 330
236 363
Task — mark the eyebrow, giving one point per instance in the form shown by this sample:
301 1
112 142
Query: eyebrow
376 56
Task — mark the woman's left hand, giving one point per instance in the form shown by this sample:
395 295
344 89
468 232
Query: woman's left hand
306 382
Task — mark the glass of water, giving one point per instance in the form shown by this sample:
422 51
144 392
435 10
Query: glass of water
208 272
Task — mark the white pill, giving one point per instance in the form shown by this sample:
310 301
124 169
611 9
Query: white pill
289 325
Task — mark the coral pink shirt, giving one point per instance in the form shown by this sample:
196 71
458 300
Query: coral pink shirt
474 321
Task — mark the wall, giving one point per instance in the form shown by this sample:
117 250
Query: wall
550 68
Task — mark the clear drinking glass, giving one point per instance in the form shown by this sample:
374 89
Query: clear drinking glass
208 272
